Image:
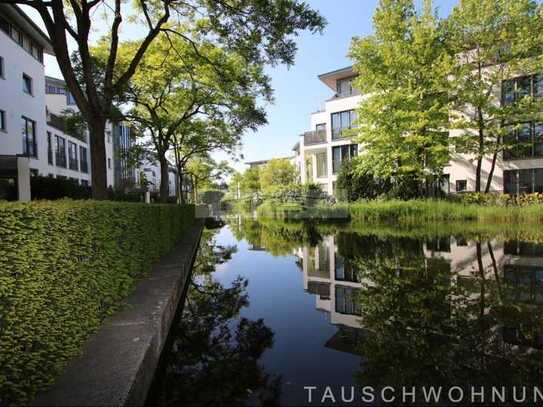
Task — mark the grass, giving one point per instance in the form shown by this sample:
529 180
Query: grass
416 211
296 211
405 212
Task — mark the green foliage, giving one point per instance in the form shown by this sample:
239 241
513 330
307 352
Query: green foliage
353 185
64 267
294 211
57 188
499 199
493 40
403 71
276 174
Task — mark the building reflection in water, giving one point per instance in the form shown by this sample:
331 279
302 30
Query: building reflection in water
514 267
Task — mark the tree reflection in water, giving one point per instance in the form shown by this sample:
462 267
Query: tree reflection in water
214 353
429 308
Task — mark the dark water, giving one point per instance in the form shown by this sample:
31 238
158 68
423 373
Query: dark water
276 307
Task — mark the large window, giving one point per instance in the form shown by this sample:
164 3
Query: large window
342 121
72 156
523 181
60 152
341 154
344 87
524 140
29 137
49 148
83 159
517 88
347 300
321 164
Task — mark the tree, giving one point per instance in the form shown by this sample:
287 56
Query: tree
206 173
493 40
195 99
277 173
403 70
260 31
250 182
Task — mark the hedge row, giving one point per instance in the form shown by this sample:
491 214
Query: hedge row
65 266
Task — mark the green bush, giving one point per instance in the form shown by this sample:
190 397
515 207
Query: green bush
64 267
57 188
498 199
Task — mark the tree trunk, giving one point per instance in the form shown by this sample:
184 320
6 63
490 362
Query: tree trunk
97 130
164 178
180 186
491 173
480 152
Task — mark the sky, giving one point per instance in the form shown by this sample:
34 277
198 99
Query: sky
297 90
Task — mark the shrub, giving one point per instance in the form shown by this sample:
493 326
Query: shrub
65 266
498 199
57 188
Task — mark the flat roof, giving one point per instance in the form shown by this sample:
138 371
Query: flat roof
330 78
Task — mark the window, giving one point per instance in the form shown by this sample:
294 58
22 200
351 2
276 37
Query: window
344 87
2 73
70 98
523 181
341 154
49 148
2 120
517 88
320 129
29 137
342 121
524 140
347 300
60 152
321 164
83 159
72 156
109 163
461 185
4 25
27 84
84 182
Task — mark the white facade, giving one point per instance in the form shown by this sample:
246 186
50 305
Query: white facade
22 88
151 171
319 152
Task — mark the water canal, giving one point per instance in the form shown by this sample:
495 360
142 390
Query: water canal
274 307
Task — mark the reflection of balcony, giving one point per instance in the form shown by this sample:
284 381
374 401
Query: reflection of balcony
319 288
314 137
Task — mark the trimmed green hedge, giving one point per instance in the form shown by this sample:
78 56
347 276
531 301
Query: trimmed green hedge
64 267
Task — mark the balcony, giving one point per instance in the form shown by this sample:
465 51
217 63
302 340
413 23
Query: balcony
314 137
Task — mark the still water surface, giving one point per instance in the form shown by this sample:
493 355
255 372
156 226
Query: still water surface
275 307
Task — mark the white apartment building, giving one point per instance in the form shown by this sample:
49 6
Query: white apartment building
23 124
321 151
32 106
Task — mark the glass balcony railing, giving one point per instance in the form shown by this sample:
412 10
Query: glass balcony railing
314 137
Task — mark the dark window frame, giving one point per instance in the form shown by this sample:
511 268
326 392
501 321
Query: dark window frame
463 182
60 153
73 163
28 82
83 160
352 151
30 145
50 148
337 134
3 123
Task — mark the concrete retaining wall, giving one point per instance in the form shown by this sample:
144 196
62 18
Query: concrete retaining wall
119 361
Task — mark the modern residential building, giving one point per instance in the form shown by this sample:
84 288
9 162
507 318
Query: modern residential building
151 172
23 121
321 151
32 106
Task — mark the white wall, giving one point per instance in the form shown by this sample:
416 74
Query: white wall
17 103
